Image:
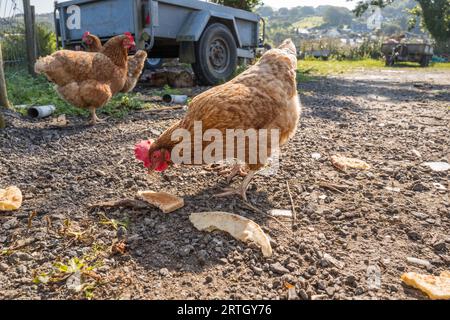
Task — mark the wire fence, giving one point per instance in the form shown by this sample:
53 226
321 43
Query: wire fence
12 33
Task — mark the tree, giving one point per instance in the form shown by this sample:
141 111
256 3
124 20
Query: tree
435 15
307 11
265 11
248 5
336 16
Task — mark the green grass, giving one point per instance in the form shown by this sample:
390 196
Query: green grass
334 67
26 90
309 22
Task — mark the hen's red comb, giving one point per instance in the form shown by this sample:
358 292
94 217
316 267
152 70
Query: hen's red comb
87 33
130 36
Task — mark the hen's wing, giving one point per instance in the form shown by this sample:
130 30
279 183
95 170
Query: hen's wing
66 66
135 66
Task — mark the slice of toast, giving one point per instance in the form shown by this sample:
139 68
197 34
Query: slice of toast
163 200
434 287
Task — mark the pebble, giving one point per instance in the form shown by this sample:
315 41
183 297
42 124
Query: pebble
3 266
257 271
164 272
303 295
208 279
11 223
22 256
278 268
419 262
351 281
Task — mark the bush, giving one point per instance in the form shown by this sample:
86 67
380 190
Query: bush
14 47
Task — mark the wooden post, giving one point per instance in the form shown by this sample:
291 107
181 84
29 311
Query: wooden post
30 36
35 36
4 102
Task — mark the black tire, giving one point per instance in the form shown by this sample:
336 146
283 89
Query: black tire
153 63
215 55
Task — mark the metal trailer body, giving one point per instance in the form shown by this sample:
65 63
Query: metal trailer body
407 52
211 37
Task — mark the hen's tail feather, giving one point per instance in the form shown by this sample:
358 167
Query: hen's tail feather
43 64
288 46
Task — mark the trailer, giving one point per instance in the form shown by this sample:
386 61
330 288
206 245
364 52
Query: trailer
210 37
412 52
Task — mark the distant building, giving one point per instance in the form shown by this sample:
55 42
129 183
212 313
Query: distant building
374 21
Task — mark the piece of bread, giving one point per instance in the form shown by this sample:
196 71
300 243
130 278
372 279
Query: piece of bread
344 163
237 226
437 288
164 201
10 199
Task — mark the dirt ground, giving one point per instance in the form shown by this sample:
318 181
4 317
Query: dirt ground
370 222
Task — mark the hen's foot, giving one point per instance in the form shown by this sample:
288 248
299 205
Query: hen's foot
237 170
94 119
230 173
241 190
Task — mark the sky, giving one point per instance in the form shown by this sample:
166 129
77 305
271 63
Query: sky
44 6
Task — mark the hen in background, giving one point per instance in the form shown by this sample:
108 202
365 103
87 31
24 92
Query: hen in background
136 63
263 97
86 79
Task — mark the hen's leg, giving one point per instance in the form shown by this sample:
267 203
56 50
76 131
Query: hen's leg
241 190
94 119
233 172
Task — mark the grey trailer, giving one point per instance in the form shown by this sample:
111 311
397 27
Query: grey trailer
208 36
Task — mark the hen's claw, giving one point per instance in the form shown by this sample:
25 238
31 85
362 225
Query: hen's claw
242 190
94 119
237 170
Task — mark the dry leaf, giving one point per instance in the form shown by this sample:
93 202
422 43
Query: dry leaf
10 199
239 227
60 121
344 163
435 287
164 201
119 247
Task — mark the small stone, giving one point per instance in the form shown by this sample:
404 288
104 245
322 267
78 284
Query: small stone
330 291
278 268
359 291
440 246
202 256
303 295
351 281
208 279
292 294
3 266
22 269
186 250
419 262
413 235
22 256
164 272
257 271
333 261
11 223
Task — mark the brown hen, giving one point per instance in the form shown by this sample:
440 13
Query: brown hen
263 97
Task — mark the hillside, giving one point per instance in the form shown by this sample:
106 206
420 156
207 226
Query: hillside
316 21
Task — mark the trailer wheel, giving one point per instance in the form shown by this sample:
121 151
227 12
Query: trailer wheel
215 55
425 61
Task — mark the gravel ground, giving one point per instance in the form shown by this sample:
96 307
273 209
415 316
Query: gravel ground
367 225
